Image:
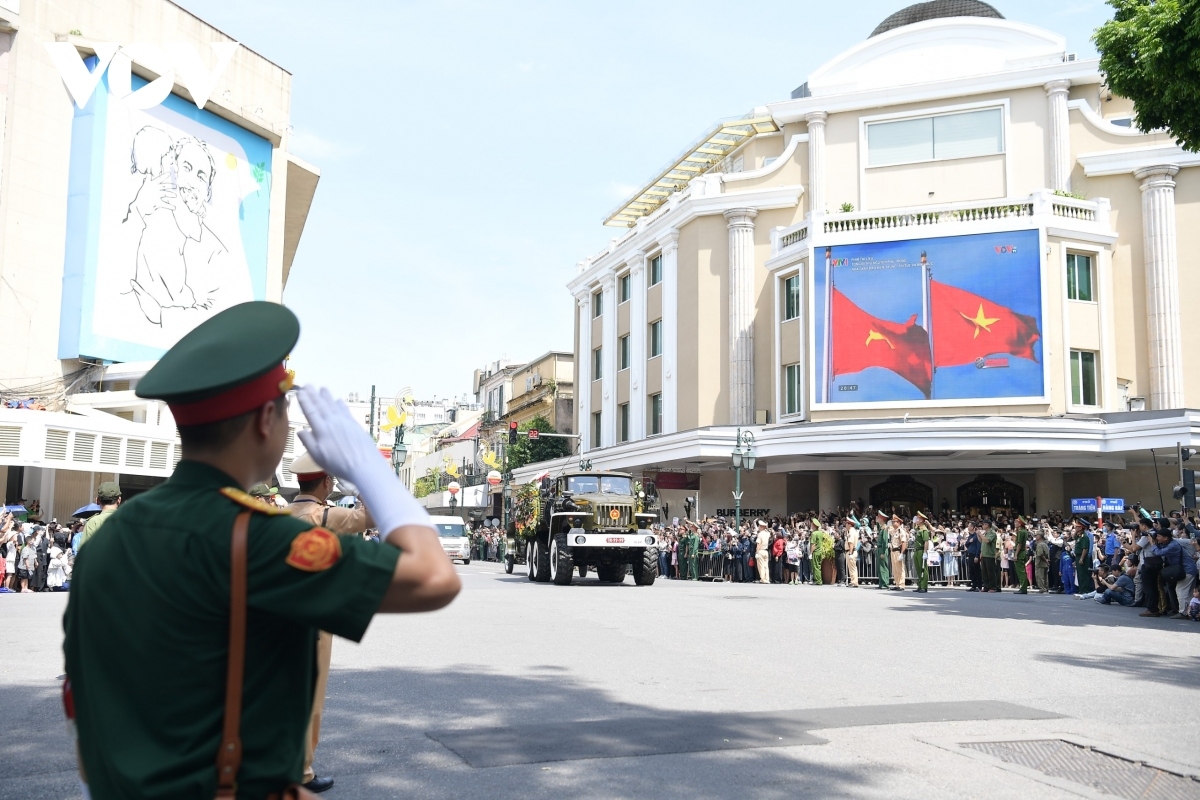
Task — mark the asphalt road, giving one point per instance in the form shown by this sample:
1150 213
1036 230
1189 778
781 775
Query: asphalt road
701 690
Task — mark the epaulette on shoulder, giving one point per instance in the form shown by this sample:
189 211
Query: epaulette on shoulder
243 499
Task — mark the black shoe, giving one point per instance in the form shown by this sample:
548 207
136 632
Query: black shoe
319 784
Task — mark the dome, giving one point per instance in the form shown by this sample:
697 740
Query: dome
919 12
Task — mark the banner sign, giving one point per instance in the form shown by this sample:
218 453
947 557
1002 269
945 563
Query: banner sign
950 318
1087 505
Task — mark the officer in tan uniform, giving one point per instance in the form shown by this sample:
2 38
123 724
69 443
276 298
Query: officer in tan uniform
315 487
898 544
851 545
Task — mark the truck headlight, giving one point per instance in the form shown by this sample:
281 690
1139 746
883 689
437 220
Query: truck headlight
580 539
649 540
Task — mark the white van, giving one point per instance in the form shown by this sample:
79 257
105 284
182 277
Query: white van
452 532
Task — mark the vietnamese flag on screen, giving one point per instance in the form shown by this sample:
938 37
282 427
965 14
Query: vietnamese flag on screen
967 326
861 340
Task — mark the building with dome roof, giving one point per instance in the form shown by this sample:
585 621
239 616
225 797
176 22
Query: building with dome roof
944 273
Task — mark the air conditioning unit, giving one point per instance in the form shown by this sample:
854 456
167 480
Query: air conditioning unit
1070 57
537 379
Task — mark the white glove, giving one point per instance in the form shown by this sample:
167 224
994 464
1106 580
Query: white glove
345 450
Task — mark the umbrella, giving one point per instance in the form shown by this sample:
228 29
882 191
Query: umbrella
87 511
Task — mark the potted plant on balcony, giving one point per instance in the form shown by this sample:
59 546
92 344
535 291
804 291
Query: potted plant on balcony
824 570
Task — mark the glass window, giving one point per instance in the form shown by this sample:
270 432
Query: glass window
655 414
623 352
1079 277
1083 378
596 429
623 409
597 304
623 284
450 530
961 135
597 364
656 270
583 484
791 297
655 339
791 391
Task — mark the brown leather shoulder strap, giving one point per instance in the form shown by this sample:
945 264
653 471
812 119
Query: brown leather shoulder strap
229 757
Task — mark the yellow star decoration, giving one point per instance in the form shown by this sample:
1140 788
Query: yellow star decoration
980 321
876 336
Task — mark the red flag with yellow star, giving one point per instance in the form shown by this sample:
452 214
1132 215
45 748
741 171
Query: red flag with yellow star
967 327
861 340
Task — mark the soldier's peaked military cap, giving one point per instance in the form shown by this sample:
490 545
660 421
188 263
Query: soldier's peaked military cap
228 365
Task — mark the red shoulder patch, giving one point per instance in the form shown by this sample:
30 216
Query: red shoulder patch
315 550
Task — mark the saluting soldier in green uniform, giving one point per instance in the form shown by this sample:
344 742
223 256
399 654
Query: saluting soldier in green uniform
921 537
692 552
1021 556
147 656
883 550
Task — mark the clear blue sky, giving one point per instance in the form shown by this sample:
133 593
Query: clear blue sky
470 152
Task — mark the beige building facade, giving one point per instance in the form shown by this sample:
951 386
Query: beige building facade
821 271
106 108
545 387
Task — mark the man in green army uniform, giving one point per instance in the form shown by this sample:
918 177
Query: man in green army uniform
987 557
108 496
1021 556
147 656
1041 563
692 551
883 554
921 538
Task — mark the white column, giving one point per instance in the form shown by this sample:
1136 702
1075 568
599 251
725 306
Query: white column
1048 489
829 489
608 356
1162 285
1060 136
670 325
583 381
741 315
816 159
637 346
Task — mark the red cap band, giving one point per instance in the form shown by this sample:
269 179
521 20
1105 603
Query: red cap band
305 477
235 401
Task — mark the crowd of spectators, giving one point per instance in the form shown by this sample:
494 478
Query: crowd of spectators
1149 561
37 557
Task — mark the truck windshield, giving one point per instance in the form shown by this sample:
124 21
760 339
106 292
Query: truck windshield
600 484
449 530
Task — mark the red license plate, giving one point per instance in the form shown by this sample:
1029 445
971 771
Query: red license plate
616 540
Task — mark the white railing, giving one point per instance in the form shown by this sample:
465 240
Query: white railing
1060 209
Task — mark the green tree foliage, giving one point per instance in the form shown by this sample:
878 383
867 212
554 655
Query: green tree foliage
528 452
428 484
1150 53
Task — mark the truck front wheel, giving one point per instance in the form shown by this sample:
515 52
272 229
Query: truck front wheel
646 570
541 555
561 565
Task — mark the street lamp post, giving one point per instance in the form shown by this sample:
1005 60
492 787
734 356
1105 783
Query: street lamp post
453 489
399 451
742 455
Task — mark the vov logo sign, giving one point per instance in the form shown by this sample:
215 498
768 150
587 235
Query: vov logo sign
174 63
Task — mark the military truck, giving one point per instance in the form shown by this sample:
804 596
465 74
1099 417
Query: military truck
585 520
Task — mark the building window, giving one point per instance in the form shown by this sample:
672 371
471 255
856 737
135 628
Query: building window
597 364
1079 277
656 270
623 352
596 429
1083 378
655 414
597 304
623 411
962 135
791 389
655 339
623 284
791 298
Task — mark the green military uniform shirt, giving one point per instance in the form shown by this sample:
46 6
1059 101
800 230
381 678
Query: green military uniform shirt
93 525
147 637
987 544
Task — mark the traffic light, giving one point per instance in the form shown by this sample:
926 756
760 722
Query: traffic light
1186 489
1186 452
512 433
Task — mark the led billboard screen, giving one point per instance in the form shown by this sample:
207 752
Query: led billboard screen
923 320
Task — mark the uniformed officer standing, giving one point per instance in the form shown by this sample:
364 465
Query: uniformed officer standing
310 505
148 656
883 554
898 545
921 538
1021 556
851 545
987 557
108 497
691 552
762 544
